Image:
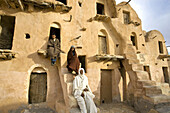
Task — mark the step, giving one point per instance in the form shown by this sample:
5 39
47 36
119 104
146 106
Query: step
72 101
133 61
77 110
136 67
152 90
139 93
131 55
164 87
69 77
142 75
69 88
157 99
141 83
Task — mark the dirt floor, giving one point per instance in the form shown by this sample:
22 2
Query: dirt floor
116 108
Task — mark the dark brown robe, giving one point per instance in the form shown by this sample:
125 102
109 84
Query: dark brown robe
53 48
73 62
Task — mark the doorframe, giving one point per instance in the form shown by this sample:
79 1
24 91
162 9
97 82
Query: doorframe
111 82
29 75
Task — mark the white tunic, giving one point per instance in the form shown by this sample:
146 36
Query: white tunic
85 103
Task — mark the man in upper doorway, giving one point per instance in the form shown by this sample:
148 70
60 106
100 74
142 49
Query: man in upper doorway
53 49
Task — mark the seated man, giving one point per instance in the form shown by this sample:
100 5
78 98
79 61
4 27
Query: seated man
83 94
53 47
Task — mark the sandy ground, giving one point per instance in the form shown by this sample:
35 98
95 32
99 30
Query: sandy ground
116 108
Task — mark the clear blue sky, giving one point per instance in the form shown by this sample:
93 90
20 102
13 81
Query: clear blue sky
155 15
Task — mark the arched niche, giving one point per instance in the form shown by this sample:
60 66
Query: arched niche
37 86
133 38
103 45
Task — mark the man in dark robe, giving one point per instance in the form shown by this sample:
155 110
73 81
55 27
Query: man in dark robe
53 49
73 62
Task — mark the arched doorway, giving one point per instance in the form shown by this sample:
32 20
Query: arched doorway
38 86
133 38
55 29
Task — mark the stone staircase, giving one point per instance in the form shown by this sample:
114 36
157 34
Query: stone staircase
147 90
68 79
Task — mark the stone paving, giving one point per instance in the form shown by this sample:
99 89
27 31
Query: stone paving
116 108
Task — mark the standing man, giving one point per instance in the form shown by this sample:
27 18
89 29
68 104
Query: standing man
53 49
83 94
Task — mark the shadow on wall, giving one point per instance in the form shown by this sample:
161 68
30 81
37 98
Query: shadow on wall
54 84
119 40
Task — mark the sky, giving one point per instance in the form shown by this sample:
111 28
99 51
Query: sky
155 15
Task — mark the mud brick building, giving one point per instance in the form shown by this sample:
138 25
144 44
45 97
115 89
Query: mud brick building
123 62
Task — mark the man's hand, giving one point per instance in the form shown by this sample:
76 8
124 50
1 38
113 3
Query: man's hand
82 94
86 89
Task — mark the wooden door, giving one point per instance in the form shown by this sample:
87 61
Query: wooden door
102 45
38 88
166 76
106 86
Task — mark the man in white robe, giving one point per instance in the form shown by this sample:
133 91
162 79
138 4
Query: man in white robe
83 94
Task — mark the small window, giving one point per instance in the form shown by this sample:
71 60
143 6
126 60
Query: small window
27 36
80 3
126 16
160 47
100 9
82 60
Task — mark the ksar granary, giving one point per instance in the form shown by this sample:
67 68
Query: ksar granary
123 62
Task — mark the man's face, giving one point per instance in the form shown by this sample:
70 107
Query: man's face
53 36
81 72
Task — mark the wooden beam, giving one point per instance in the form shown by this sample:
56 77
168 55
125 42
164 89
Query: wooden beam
7 3
21 5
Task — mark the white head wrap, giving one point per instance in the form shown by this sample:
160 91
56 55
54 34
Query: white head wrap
80 70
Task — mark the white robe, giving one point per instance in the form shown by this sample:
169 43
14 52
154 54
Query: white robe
85 103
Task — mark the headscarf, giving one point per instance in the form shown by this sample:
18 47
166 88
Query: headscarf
80 70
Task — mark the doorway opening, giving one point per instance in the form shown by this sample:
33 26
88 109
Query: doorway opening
165 73
147 69
38 88
102 45
160 47
7 25
100 9
123 75
82 60
55 31
106 86
133 39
